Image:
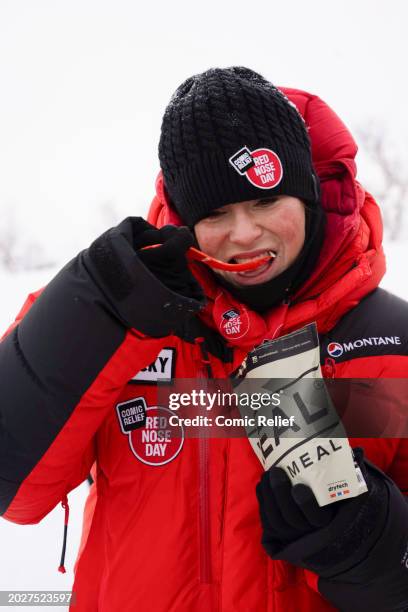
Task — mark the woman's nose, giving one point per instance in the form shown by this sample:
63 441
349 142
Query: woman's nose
244 229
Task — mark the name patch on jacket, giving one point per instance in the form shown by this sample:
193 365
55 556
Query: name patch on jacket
162 368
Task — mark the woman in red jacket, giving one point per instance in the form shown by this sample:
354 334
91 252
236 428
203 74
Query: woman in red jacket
181 529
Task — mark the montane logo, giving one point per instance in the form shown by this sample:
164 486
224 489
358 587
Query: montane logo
335 349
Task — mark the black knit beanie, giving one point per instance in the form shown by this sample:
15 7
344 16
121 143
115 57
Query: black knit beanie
229 135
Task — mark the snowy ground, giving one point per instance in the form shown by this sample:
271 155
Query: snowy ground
30 554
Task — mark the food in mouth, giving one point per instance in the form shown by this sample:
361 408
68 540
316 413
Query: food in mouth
261 256
256 264
237 264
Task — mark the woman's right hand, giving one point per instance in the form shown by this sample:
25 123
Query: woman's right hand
151 290
168 262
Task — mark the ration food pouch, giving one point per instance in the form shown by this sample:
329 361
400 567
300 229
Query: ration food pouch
314 449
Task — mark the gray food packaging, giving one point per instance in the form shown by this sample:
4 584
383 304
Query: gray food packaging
314 450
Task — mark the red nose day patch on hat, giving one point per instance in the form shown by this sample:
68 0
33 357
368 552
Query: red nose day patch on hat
262 167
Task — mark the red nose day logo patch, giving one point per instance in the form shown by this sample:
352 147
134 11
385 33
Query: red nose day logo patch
157 442
262 167
234 324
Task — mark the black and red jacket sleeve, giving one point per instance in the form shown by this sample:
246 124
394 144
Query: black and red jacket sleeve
98 322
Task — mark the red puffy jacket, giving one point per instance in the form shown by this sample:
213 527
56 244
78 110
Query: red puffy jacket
179 530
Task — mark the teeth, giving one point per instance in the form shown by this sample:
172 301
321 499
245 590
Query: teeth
245 259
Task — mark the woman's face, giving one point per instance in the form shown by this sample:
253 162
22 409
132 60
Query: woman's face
248 230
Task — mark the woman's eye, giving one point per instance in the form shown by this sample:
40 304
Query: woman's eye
266 202
215 214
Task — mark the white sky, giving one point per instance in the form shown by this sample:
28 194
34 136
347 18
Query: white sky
85 82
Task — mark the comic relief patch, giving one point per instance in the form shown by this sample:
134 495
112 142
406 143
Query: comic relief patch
262 167
234 323
132 414
161 369
158 442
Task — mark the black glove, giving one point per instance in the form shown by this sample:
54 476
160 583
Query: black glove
167 262
288 512
357 546
152 291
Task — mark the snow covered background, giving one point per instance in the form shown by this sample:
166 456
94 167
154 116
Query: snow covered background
84 86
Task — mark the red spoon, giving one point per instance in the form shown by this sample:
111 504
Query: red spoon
194 254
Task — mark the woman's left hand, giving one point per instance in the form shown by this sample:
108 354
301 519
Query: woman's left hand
358 547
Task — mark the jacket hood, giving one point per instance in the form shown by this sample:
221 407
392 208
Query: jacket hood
351 263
